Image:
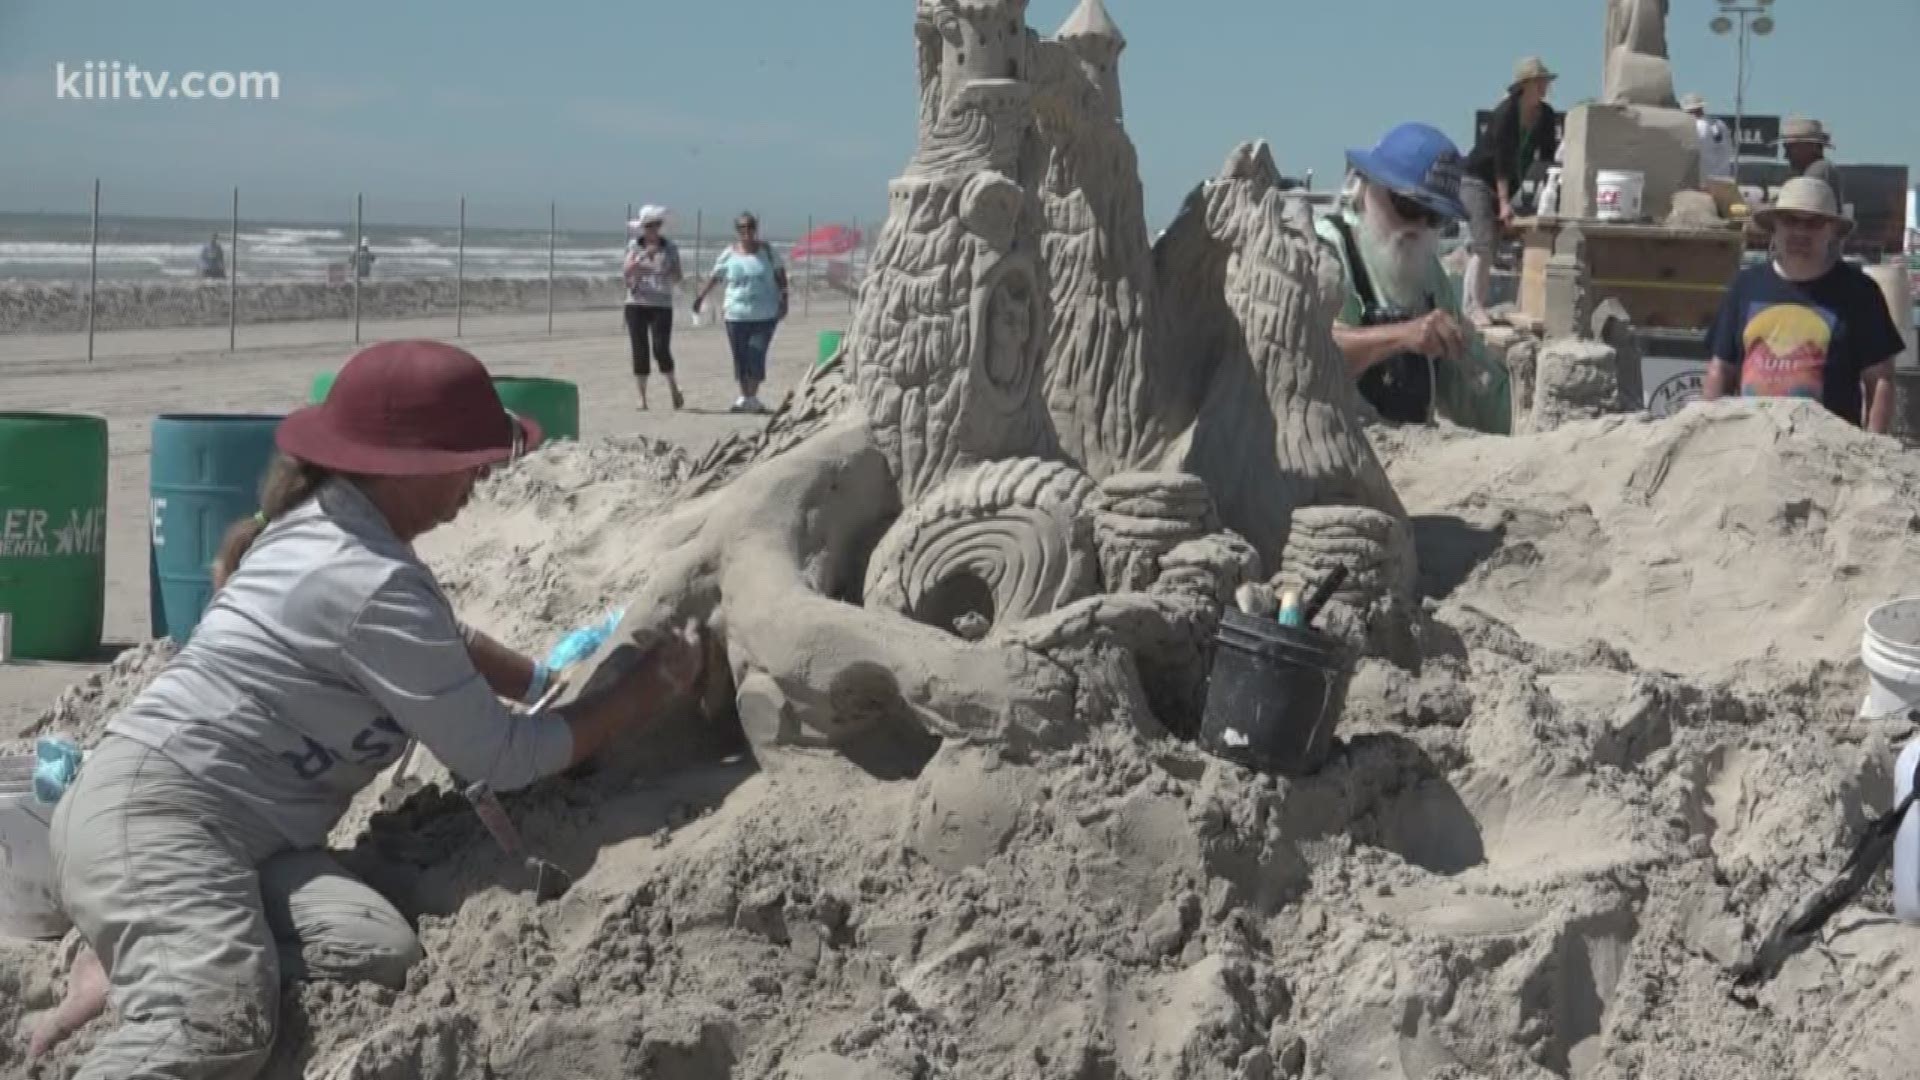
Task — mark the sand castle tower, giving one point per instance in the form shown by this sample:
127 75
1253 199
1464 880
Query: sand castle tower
1092 35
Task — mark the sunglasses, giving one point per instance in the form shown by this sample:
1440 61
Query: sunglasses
1408 210
746 226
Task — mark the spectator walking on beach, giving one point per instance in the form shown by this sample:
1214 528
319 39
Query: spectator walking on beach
756 301
1716 142
1805 144
363 260
1806 323
1524 130
213 260
652 270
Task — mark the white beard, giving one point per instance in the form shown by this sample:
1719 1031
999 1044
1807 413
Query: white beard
1399 258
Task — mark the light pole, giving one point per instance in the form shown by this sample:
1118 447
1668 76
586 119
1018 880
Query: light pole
1752 18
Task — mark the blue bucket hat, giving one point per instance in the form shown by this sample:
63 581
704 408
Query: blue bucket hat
1418 162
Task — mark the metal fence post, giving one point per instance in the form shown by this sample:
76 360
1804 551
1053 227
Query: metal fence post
460 273
93 269
806 298
553 224
353 262
699 252
233 276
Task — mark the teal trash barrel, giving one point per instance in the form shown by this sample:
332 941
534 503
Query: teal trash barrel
53 532
206 471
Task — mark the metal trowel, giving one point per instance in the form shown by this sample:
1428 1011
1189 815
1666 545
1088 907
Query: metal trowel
549 881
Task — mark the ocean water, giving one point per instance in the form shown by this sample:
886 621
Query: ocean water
55 247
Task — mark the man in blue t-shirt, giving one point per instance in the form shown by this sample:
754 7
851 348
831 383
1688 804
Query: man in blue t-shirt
1806 324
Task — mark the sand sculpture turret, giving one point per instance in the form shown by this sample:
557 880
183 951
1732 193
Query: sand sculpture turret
1048 452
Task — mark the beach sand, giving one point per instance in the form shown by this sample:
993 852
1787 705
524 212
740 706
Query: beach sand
1631 746
137 375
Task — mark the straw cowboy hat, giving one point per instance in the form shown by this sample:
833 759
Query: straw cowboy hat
1805 195
1529 69
408 408
1798 130
1693 103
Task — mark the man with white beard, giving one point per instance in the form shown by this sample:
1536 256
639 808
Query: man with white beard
1401 318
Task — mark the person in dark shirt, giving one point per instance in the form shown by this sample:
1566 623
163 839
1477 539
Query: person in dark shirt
1524 130
1806 324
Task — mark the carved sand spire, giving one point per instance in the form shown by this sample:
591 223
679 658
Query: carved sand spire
1048 452
1636 68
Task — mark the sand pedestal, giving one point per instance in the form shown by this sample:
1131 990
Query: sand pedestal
1662 144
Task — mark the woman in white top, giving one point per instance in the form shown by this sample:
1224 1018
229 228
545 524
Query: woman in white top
652 271
190 850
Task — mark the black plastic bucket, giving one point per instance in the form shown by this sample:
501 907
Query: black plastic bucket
1274 695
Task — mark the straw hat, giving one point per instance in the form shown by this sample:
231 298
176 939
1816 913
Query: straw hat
1693 103
1529 69
1800 130
652 215
1805 195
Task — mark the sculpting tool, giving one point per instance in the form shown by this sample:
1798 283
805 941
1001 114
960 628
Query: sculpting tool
549 881
1321 594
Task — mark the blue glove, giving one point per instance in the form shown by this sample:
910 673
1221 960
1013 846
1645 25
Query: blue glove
57 762
584 642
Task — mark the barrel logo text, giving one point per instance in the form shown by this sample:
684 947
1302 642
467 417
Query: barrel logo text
34 533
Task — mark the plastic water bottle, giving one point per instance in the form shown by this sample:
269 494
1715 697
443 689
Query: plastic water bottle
1906 843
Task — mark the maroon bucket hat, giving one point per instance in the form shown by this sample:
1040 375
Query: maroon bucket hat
408 408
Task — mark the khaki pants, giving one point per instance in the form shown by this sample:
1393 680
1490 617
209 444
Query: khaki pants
198 910
1483 236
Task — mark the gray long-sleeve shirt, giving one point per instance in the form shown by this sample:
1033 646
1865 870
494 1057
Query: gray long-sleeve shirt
329 648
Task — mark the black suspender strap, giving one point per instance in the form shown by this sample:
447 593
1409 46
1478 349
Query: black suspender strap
1356 266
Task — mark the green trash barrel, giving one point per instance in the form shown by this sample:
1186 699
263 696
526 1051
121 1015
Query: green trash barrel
53 532
554 404
829 344
205 475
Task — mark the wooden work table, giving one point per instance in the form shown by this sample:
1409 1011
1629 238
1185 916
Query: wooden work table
1666 278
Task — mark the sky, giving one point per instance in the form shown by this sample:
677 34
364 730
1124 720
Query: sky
803 108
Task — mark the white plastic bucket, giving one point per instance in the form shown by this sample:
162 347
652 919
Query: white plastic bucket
1890 649
1617 194
1906 843
29 907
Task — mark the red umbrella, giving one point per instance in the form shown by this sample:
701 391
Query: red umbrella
827 241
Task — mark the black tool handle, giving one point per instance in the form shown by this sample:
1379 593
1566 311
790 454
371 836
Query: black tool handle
1321 594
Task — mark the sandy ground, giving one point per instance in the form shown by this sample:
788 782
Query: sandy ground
137 375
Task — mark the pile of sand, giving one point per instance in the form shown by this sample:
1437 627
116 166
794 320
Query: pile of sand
1631 747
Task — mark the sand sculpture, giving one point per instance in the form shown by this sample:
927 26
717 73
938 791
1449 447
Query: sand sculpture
1636 68
1048 451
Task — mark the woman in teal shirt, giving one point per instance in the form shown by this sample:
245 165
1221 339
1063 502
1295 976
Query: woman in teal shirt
756 301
